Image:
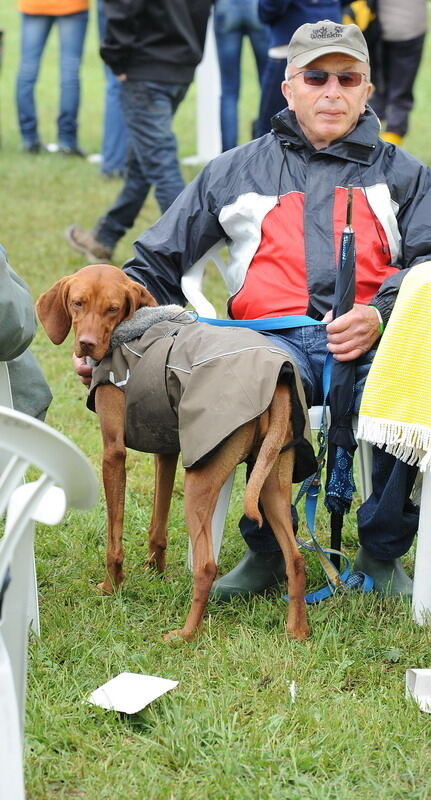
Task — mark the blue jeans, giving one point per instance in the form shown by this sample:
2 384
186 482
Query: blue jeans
234 19
114 139
152 159
387 521
35 31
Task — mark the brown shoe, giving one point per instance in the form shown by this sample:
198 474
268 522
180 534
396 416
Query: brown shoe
84 242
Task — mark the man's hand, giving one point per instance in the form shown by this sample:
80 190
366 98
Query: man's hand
352 334
84 371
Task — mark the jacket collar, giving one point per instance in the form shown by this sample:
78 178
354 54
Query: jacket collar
358 146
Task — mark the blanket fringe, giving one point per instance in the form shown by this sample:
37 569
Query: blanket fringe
407 441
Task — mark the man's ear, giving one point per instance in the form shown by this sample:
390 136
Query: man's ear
52 311
287 94
368 92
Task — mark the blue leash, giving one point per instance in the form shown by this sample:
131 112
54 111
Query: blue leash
312 485
264 324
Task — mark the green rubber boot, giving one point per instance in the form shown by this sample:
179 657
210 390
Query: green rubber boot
256 573
390 577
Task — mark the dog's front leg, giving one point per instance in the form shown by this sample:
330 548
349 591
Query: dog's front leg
110 405
165 468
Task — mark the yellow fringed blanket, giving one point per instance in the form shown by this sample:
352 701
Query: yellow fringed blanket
396 404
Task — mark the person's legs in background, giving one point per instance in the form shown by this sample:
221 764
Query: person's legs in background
152 159
259 39
393 98
34 33
114 140
114 137
404 59
72 29
229 35
271 98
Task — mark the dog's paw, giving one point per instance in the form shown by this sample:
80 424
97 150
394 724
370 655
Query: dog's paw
106 587
301 631
154 563
178 636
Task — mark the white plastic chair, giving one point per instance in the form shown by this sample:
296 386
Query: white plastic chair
191 285
7 401
67 480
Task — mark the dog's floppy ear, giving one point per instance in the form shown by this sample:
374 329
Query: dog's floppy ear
139 296
52 311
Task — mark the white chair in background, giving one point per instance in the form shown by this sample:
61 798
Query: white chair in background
191 285
66 480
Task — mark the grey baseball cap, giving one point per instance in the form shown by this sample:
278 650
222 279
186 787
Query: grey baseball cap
315 39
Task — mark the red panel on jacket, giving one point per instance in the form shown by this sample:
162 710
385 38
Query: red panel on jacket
276 285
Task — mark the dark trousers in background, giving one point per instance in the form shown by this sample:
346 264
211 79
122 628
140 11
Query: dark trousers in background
394 67
152 159
271 99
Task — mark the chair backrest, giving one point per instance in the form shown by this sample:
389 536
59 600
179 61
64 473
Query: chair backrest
191 282
66 480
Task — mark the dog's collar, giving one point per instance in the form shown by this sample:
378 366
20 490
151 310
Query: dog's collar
141 321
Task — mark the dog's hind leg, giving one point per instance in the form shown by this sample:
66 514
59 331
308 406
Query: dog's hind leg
165 467
276 497
201 490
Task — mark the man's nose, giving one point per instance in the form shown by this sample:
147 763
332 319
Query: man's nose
332 86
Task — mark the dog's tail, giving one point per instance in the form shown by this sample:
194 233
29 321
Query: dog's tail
274 439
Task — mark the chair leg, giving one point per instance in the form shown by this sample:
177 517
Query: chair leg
218 520
33 602
421 603
365 452
11 744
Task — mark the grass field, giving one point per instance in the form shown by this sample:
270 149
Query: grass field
230 729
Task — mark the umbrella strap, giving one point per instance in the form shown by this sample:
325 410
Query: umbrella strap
311 489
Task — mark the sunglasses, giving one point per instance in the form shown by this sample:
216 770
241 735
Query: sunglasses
318 77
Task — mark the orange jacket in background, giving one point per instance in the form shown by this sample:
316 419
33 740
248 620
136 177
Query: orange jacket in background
53 8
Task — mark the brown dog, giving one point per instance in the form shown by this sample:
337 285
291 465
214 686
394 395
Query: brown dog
94 301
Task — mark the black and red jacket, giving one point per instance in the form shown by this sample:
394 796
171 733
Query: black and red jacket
281 206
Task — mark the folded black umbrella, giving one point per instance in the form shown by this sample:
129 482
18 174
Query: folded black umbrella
341 441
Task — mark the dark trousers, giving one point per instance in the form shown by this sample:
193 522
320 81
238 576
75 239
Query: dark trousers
151 160
271 98
394 69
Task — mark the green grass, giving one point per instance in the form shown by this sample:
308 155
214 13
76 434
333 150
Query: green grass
230 729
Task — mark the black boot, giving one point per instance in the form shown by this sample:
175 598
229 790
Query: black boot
255 574
390 577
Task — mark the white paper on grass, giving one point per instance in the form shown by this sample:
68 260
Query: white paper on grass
130 692
418 686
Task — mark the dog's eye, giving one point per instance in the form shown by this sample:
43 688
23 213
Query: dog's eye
113 309
77 303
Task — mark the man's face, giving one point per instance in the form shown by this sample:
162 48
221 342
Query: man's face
331 111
